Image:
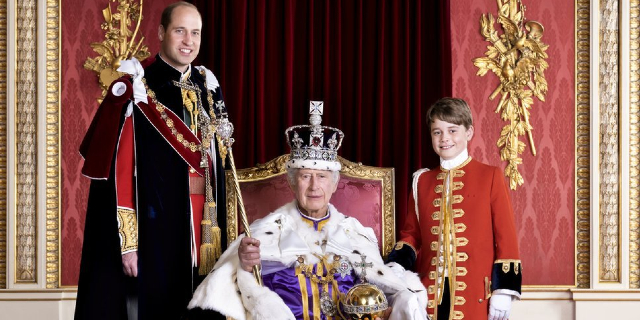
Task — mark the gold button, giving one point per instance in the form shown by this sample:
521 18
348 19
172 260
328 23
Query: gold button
479 300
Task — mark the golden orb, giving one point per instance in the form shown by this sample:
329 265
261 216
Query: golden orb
365 301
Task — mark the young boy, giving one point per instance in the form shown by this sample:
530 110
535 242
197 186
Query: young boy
460 232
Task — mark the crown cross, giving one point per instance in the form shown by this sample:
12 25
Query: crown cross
315 107
364 265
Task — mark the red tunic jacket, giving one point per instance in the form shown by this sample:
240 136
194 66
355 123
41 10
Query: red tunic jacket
484 246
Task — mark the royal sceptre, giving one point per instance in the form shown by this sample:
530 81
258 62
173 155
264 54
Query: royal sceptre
224 131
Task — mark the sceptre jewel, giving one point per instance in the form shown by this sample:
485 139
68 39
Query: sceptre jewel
224 130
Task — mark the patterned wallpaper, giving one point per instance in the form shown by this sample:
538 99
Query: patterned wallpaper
79 93
544 205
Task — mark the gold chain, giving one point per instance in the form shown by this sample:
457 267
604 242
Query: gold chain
161 109
307 270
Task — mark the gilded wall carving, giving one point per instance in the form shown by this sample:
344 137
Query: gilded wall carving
26 125
609 141
53 144
634 144
3 144
583 174
518 58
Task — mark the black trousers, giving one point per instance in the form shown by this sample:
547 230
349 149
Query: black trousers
445 307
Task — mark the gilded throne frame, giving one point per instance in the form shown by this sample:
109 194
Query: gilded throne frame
275 169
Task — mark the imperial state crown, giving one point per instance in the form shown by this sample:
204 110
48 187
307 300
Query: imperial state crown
314 146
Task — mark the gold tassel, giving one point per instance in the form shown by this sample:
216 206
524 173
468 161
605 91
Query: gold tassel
215 240
206 249
206 261
210 252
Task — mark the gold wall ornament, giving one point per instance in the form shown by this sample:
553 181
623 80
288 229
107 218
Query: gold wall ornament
119 43
517 57
52 142
583 144
3 142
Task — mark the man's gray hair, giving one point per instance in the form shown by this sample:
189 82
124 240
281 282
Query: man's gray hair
291 175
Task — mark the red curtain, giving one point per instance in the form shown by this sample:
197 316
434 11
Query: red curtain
376 64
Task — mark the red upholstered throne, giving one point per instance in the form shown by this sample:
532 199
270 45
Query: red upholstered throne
366 193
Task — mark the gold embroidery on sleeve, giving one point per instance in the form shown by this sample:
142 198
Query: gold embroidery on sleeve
506 265
128 229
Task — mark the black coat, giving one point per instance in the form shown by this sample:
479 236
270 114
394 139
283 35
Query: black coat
166 279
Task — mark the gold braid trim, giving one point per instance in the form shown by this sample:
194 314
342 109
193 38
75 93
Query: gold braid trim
506 265
128 229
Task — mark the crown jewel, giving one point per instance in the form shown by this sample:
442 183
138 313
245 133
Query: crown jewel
314 146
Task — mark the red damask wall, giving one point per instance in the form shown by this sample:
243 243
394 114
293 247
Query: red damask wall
79 90
544 205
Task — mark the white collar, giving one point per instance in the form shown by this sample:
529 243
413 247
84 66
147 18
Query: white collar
458 160
326 216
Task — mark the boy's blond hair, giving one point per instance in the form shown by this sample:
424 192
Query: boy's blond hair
452 110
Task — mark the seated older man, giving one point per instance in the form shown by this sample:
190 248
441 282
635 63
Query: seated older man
307 249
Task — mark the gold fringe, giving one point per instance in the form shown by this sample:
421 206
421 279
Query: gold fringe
210 252
216 242
206 261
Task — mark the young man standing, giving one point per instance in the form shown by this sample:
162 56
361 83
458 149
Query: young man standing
156 204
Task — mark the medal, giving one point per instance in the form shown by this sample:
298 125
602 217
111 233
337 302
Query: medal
327 305
344 267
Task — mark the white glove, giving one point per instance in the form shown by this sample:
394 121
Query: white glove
499 306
